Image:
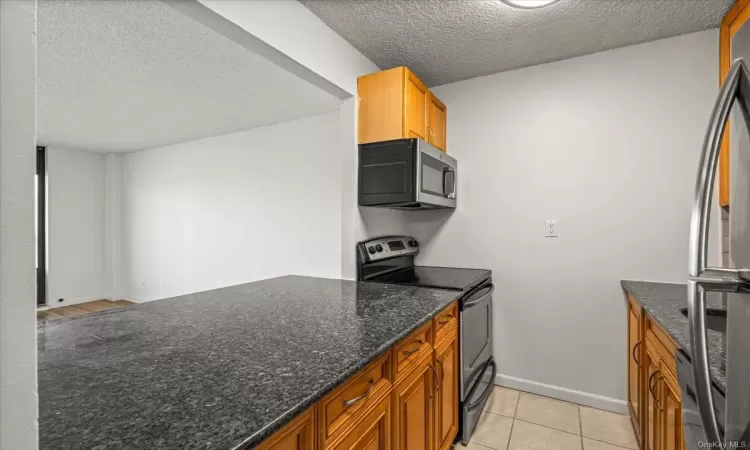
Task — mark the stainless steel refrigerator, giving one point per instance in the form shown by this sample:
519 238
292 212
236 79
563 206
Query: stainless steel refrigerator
719 416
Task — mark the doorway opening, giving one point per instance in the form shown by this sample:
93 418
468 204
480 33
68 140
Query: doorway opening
40 219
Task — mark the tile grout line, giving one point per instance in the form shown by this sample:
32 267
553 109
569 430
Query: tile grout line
580 425
513 424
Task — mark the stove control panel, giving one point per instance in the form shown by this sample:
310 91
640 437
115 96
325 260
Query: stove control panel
386 247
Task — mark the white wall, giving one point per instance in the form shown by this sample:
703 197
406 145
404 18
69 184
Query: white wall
608 145
18 400
232 209
313 44
75 228
113 225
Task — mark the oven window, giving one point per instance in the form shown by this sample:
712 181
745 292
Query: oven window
433 175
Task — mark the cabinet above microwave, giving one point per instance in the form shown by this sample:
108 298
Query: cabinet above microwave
396 104
406 174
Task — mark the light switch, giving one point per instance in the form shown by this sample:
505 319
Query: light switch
550 228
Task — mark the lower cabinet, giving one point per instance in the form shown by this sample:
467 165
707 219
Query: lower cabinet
298 435
654 400
407 399
671 414
372 433
446 397
413 399
651 414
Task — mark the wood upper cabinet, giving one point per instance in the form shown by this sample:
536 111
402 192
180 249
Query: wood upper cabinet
635 356
731 25
396 104
437 121
299 434
415 107
413 408
446 397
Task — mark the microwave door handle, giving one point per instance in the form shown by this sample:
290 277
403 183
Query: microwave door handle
736 86
453 181
449 183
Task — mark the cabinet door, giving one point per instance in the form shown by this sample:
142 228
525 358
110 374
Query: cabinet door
297 435
446 398
651 422
671 416
413 409
436 121
634 369
372 433
415 104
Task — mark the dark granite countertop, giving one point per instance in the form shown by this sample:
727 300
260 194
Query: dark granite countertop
663 301
216 369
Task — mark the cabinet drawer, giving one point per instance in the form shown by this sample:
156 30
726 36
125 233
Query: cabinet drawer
373 432
445 321
412 348
662 343
340 409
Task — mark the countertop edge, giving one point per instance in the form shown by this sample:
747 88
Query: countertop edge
717 361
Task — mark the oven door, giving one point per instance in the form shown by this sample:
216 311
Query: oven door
476 398
475 334
436 176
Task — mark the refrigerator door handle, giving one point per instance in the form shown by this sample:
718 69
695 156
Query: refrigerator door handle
736 86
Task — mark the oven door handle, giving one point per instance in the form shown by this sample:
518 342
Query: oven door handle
471 303
478 403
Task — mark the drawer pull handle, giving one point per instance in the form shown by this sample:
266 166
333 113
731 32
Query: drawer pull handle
348 403
635 353
445 320
411 352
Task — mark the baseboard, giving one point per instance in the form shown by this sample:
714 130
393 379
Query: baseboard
561 393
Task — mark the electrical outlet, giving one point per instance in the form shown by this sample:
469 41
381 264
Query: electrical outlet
550 228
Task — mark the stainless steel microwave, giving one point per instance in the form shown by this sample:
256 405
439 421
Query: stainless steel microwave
406 174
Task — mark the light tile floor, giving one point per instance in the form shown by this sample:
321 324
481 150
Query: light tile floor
514 420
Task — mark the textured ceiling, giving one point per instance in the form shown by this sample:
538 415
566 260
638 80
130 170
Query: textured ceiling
127 75
450 40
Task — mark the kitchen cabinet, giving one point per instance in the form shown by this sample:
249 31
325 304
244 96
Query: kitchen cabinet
651 413
654 399
413 408
297 435
733 43
671 413
396 104
635 356
446 397
437 121
372 433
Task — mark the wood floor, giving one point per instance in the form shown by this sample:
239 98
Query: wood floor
79 309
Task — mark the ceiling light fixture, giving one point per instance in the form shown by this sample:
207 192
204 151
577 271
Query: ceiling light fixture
528 4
